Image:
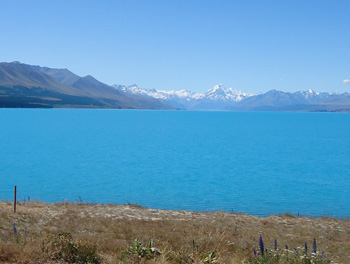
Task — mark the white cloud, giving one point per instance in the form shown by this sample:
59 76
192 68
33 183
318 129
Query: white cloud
346 81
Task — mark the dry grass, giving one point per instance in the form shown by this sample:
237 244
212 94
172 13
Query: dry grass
182 237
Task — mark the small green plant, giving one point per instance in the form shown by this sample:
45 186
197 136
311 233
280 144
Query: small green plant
210 258
62 247
139 251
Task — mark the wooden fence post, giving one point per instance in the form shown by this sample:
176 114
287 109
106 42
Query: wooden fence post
15 202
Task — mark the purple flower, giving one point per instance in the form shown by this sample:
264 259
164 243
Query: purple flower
314 246
286 246
275 244
305 248
15 229
254 250
261 245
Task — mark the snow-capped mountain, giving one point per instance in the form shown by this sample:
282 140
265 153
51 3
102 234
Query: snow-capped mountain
310 95
216 98
299 101
221 98
219 92
159 94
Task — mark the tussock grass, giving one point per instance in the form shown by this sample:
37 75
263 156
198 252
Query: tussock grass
109 232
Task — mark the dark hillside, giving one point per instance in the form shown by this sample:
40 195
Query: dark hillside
25 86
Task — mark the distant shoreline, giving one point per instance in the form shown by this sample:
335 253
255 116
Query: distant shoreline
146 109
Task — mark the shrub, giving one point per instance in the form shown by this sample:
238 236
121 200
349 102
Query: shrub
62 247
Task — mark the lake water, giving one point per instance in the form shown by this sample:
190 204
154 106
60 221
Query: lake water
258 163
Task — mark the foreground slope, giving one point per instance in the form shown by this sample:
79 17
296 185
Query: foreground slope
23 85
181 236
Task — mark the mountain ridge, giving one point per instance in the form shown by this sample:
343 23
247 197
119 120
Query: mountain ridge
221 98
23 85
216 98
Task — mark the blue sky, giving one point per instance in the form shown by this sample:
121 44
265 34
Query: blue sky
253 46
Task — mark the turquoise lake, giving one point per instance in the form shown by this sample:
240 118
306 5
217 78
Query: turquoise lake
258 163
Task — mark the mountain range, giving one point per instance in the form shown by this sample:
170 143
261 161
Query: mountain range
221 98
29 86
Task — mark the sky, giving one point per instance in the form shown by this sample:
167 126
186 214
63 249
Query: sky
253 46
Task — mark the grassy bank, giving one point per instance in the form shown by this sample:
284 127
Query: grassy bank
72 232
